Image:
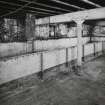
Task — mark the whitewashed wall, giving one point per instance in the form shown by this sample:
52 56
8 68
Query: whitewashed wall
12 49
98 47
88 49
16 67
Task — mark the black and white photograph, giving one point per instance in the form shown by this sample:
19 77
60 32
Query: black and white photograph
52 52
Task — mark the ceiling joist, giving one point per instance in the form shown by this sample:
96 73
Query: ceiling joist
15 11
46 10
30 11
92 3
48 6
67 4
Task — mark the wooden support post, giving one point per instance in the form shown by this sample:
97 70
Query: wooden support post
33 31
40 73
67 57
83 56
30 29
28 26
41 64
94 50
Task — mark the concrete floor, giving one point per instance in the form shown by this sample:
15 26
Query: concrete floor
64 89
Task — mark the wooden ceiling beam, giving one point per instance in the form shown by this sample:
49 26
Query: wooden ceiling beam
26 11
46 10
92 3
37 12
67 4
48 6
15 11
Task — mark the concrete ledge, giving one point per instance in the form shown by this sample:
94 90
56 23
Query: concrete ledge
15 49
